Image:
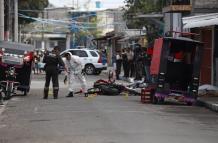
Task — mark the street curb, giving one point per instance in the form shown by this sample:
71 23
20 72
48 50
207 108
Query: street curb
213 107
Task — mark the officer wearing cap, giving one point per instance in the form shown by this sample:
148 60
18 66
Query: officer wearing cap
52 61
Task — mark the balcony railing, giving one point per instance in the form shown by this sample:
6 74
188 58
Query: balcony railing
177 6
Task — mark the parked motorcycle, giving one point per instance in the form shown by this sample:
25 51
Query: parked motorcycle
9 85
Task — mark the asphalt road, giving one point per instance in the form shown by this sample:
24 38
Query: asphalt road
102 119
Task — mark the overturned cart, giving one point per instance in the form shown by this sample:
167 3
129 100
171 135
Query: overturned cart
176 66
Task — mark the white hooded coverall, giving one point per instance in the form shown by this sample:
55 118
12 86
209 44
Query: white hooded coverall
74 68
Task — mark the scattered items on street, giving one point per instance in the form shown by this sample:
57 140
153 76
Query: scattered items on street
111 76
103 87
207 90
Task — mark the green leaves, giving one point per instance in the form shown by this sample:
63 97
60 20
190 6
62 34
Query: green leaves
134 8
31 8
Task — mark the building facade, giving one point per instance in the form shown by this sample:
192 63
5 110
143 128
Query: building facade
52 31
9 20
205 12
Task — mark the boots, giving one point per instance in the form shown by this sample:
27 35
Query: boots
55 93
45 93
1 99
70 94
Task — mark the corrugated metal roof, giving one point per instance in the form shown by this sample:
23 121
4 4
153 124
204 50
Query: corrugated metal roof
200 21
182 39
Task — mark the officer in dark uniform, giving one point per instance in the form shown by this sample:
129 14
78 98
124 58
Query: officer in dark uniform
52 60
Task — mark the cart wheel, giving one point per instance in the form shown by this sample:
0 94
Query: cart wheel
7 95
155 100
161 101
8 92
86 94
189 103
24 93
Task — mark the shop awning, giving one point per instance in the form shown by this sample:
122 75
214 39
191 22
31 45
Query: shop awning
200 21
102 38
124 39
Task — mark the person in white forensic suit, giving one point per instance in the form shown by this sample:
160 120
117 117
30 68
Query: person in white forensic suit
74 74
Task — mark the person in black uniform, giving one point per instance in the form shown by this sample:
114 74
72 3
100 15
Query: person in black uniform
52 61
125 63
138 59
118 64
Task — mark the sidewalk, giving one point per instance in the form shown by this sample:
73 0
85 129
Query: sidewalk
209 102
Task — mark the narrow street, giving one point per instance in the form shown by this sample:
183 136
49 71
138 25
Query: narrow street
166 49
102 119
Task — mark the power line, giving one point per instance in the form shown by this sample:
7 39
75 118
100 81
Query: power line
28 10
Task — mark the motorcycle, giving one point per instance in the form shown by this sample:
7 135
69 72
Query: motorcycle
9 85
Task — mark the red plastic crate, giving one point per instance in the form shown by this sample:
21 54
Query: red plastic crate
146 94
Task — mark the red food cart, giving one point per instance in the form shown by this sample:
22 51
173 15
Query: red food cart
175 66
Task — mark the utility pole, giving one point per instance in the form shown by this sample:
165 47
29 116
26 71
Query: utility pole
7 20
68 37
16 20
1 20
42 32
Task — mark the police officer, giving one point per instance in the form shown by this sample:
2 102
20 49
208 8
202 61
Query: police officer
52 60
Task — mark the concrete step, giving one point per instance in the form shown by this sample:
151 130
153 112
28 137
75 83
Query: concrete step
208 102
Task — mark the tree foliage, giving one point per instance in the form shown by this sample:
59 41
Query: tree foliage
31 8
137 7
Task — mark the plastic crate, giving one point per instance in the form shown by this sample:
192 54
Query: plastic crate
146 95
